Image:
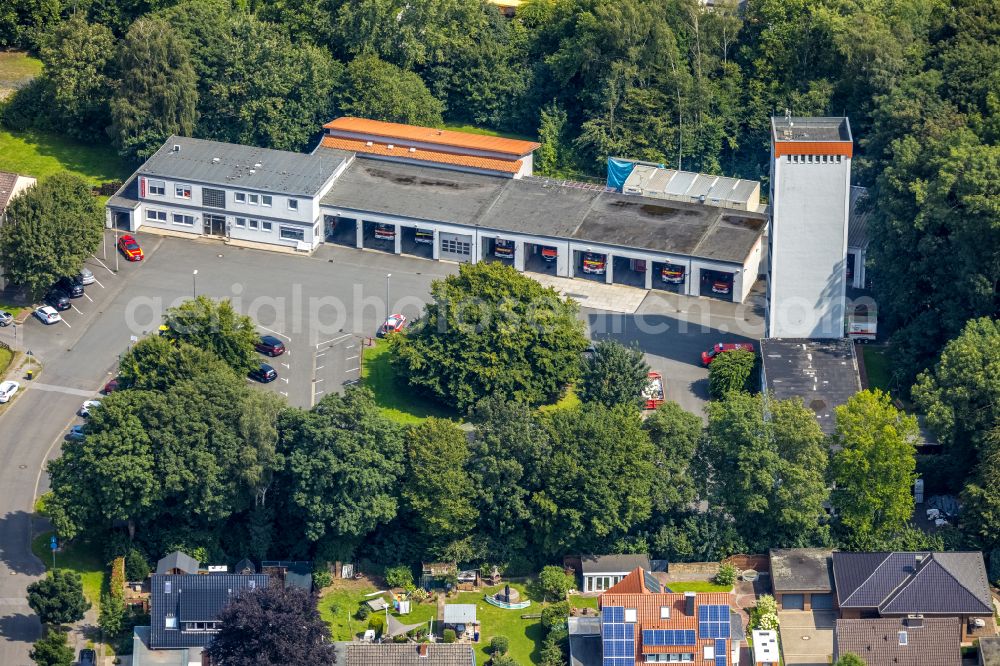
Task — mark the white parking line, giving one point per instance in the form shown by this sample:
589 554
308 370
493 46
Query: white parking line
287 366
88 297
105 266
284 393
331 341
351 358
284 379
318 392
320 367
349 347
318 354
280 335
351 370
317 381
77 309
65 322
99 283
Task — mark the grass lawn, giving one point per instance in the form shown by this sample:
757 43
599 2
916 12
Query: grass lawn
579 601
525 636
41 154
877 364
337 608
6 356
568 401
697 586
472 129
16 69
391 393
82 557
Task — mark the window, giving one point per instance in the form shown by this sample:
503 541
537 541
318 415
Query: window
166 587
265 226
171 621
182 191
186 220
903 638
156 215
709 652
241 222
156 188
254 224
292 233
664 612
240 197
265 200
213 198
293 204
630 615
254 199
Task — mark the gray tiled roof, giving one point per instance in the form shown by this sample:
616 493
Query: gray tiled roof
177 560
598 564
877 641
7 182
405 654
801 570
192 598
280 171
901 583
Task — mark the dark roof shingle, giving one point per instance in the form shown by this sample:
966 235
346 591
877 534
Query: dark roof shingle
405 654
192 598
878 641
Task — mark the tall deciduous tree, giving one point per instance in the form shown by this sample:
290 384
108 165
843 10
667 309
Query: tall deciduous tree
614 374
215 327
272 626
49 230
52 649
374 88
768 473
732 371
58 598
492 331
873 468
674 434
156 363
157 93
23 22
980 517
555 155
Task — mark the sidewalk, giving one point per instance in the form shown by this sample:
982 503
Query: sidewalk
596 295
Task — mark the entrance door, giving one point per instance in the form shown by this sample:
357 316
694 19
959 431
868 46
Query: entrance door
215 225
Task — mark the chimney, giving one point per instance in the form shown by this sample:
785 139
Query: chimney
422 650
914 621
176 148
689 603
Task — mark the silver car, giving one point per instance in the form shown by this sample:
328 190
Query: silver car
85 276
6 318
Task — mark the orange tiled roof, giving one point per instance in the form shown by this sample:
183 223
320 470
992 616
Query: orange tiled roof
441 137
404 152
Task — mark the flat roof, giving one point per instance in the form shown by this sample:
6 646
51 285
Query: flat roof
609 564
823 373
433 135
989 650
857 219
234 165
398 152
801 570
786 129
548 208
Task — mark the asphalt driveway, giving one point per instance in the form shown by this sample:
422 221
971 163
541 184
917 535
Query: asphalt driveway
806 637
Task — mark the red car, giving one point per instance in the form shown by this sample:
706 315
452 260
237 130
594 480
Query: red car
393 324
129 247
719 348
111 386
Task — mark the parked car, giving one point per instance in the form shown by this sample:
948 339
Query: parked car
47 315
672 274
270 345
386 232
6 318
77 433
264 374
594 263
70 287
7 390
87 407
88 657
721 287
129 247
549 254
111 386
719 348
504 249
85 276
58 299
394 323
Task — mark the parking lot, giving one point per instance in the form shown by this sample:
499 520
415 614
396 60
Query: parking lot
806 637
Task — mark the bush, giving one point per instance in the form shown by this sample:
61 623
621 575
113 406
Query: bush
321 578
30 107
363 612
419 595
765 615
555 615
499 645
117 584
767 604
377 622
136 566
503 660
399 576
554 582
449 636
112 616
732 371
727 574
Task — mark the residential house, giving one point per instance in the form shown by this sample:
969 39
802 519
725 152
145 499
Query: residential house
765 647
642 622
602 572
461 618
802 578
177 563
12 184
897 585
405 654
894 641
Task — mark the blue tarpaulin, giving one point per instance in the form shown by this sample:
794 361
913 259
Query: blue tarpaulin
618 171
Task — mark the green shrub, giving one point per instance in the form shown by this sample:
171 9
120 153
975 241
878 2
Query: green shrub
727 574
449 636
363 612
322 578
399 576
503 660
555 615
554 582
377 622
418 595
136 566
499 645
732 371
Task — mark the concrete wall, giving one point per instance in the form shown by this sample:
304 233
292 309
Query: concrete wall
810 198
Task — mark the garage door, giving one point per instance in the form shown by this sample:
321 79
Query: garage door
822 601
792 602
456 247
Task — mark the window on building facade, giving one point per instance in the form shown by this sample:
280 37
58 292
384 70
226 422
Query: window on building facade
630 615
213 198
182 191
293 204
156 215
265 226
156 187
253 199
265 200
186 220
240 197
292 233
254 224
241 222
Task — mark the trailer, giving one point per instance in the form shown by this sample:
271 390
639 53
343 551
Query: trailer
653 395
862 324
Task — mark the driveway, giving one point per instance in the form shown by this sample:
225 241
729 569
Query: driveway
806 637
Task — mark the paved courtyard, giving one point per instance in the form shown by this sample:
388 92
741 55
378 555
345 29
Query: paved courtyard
806 637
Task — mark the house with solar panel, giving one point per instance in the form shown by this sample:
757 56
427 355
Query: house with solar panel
643 622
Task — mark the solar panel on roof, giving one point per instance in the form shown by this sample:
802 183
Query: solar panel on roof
713 621
652 584
663 637
720 653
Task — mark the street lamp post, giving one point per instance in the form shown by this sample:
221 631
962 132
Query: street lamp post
387 276
116 248
194 284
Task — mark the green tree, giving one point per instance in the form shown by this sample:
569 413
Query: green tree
22 22
156 363
437 490
596 483
674 434
49 230
157 92
614 374
112 615
399 576
980 517
499 645
76 56
217 328
850 659
727 574
873 468
555 155
491 331
554 583
136 566
503 660
52 649
58 598
732 371
342 459
768 474
373 88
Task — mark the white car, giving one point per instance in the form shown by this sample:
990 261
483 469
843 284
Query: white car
48 315
7 390
87 406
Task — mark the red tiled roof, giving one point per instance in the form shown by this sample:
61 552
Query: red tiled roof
399 131
405 152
